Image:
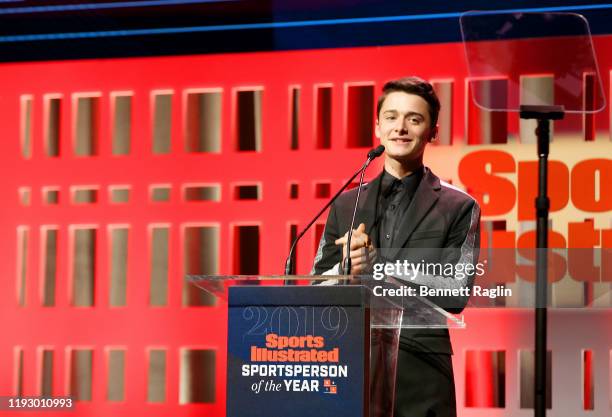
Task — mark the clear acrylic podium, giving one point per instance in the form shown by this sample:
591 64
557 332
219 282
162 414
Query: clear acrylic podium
316 345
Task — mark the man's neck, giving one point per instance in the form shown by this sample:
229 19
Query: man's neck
401 169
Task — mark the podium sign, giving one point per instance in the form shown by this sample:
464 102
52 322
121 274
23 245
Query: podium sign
315 350
297 351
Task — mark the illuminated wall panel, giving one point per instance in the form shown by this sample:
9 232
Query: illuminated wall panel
122 175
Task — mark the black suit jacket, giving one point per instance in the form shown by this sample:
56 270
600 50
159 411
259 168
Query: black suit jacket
439 216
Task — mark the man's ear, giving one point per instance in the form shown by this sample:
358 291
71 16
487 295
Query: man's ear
377 129
434 134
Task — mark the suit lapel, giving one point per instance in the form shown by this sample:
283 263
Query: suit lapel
425 197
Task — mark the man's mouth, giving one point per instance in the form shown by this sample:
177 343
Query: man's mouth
401 140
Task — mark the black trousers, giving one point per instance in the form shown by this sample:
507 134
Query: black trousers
425 385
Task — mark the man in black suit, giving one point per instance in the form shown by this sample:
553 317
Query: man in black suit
408 213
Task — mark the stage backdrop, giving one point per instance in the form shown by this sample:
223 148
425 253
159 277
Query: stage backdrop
120 176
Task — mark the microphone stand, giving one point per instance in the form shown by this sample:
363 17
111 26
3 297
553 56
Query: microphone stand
543 114
374 153
346 267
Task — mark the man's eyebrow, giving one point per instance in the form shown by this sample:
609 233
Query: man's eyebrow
412 113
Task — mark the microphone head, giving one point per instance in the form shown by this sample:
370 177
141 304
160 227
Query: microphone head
376 152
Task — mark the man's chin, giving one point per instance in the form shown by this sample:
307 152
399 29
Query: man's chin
402 157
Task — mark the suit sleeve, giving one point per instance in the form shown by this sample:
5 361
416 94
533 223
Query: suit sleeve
329 255
462 248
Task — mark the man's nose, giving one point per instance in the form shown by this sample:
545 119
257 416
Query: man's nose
400 126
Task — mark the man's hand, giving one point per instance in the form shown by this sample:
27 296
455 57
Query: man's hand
363 252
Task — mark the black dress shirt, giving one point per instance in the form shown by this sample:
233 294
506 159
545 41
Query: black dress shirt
393 201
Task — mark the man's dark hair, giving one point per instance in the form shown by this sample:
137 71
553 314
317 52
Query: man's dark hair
418 87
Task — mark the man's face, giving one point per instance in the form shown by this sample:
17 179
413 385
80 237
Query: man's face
404 126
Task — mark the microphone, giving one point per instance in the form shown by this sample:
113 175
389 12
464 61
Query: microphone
374 153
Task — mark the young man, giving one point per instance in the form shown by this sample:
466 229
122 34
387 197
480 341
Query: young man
408 210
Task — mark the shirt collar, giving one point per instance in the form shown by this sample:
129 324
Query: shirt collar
410 182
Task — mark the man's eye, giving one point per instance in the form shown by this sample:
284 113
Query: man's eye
390 118
415 120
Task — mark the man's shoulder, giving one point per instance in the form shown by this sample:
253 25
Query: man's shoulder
348 197
450 194
455 196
